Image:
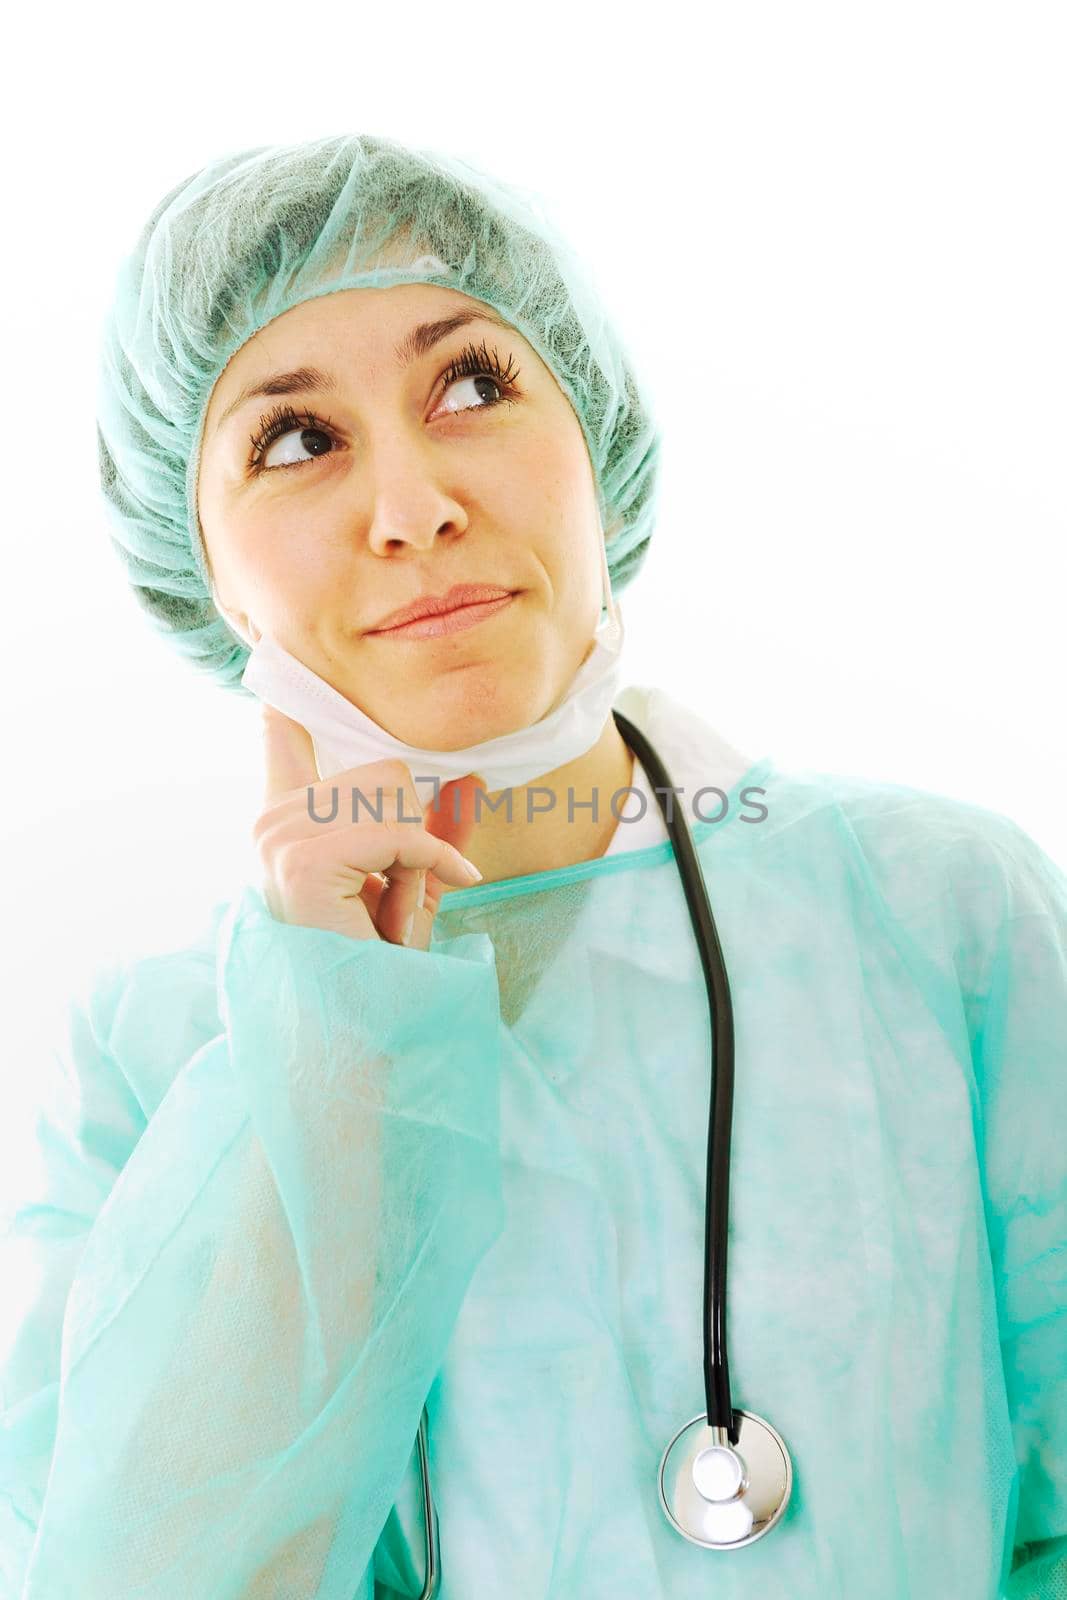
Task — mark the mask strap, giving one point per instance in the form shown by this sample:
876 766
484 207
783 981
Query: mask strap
608 601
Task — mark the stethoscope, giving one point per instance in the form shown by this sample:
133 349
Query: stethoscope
726 1476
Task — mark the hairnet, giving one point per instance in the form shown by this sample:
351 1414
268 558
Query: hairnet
253 234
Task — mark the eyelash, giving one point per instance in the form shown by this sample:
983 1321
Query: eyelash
472 363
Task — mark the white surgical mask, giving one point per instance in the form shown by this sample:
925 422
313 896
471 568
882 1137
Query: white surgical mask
344 736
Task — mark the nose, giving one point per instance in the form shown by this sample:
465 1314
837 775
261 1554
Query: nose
389 533
410 504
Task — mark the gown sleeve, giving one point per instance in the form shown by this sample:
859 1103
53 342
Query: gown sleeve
1017 1012
240 1302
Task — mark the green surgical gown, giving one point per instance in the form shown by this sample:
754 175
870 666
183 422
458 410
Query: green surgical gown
303 1185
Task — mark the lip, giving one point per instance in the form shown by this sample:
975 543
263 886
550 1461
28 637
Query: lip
455 620
436 605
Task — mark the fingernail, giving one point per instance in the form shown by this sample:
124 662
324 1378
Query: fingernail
420 898
471 868
406 935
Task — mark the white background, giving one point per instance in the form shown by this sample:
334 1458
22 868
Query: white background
834 239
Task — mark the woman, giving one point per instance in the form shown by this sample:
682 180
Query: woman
389 1137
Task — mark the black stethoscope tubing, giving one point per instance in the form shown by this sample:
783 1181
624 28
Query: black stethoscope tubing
720 1411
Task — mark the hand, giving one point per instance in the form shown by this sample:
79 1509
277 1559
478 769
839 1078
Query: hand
364 878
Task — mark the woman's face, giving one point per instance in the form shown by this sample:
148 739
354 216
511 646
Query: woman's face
326 506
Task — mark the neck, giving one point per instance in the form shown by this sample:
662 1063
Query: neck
558 819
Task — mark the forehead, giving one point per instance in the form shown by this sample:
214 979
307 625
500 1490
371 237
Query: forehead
374 321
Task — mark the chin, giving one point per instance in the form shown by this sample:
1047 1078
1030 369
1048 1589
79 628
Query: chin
460 708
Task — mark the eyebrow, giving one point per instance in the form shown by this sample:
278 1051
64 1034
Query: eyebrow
313 380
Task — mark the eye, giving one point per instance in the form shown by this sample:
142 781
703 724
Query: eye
482 369
478 384
300 430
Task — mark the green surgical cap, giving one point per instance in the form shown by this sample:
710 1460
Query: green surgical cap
256 233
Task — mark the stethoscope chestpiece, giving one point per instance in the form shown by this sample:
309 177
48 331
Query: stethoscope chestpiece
722 1496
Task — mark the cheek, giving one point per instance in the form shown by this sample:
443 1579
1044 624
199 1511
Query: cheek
303 576
269 534
543 481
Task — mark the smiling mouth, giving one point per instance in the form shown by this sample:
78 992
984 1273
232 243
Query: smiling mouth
457 620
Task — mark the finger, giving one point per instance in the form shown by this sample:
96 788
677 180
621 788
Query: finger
371 892
403 884
419 925
371 895
403 856
400 903
289 755
422 918
433 894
